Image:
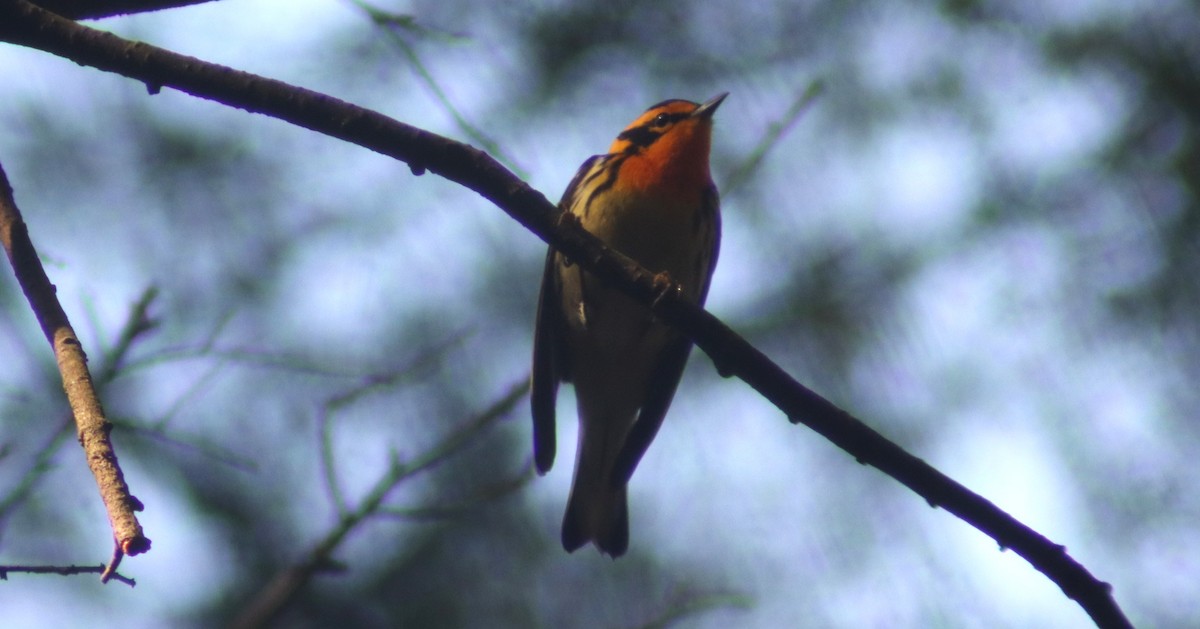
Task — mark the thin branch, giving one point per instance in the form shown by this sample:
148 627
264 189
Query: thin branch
397 24
241 356
41 464
370 384
92 9
774 133
192 443
111 569
683 605
91 425
284 586
137 324
24 24
484 494
64 570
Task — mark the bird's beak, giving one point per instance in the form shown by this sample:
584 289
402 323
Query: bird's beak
709 107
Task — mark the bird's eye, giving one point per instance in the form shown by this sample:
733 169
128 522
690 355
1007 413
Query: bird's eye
661 120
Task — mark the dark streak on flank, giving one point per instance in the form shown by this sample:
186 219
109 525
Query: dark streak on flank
610 172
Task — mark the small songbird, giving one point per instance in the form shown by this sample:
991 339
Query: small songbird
651 197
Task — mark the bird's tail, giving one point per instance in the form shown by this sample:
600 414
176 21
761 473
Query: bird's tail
597 511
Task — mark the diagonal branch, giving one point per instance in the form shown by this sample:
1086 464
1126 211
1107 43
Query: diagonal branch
92 9
284 586
774 134
24 24
91 425
135 326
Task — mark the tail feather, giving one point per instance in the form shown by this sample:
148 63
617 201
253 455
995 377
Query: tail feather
597 514
597 511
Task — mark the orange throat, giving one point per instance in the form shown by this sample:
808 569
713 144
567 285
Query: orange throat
676 165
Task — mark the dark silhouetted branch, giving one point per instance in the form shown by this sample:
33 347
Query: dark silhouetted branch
93 9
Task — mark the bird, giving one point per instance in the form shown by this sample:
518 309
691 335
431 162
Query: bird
652 198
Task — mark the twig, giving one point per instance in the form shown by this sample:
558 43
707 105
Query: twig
41 464
113 564
136 324
91 425
372 383
776 131
24 24
280 590
66 571
191 442
460 508
393 25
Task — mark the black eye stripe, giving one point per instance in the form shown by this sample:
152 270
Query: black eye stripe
640 137
665 118
644 135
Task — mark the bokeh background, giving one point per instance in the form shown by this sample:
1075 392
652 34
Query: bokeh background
973 224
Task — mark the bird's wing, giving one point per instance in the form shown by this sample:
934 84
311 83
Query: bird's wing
668 371
548 365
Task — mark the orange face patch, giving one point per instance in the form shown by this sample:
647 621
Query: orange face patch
667 149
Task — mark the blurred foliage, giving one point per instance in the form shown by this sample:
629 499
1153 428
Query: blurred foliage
1037 288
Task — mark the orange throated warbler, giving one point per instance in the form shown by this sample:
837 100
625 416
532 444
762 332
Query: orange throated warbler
651 198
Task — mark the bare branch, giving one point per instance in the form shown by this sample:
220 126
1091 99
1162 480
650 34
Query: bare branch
111 569
91 425
741 174
137 324
368 385
92 9
484 494
196 443
396 26
41 464
280 590
64 570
